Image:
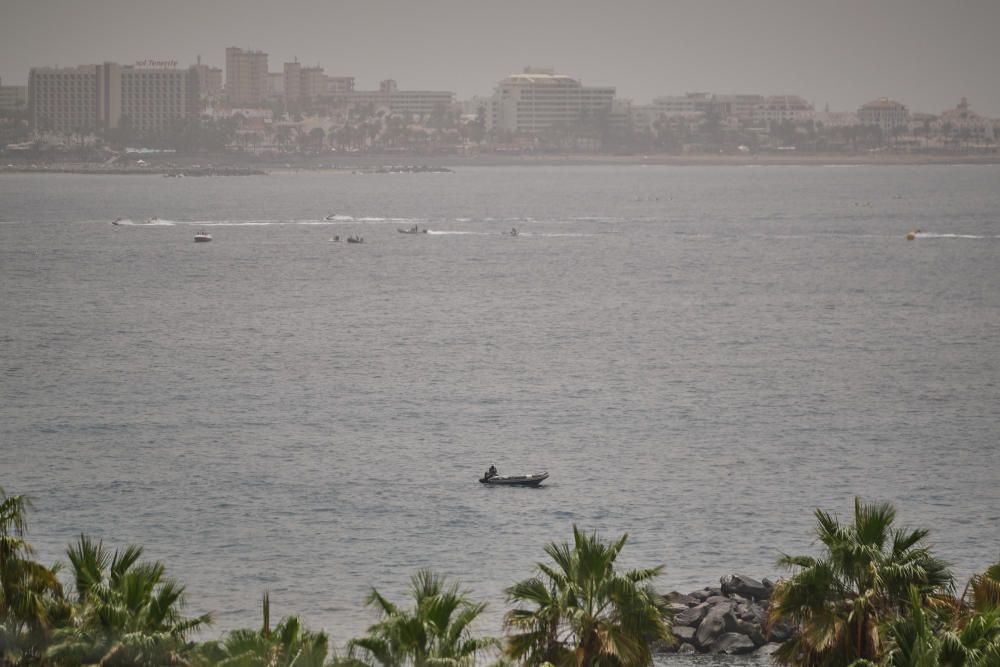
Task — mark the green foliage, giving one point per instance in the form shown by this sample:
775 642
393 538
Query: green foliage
31 598
436 632
863 580
581 612
126 612
290 644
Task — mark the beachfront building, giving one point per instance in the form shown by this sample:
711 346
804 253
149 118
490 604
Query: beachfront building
781 108
407 102
739 107
964 124
885 113
689 105
338 85
90 98
155 95
13 98
209 80
246 76
66 99
537 99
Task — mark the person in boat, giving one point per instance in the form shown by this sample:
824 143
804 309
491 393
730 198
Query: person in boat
513 231
492 472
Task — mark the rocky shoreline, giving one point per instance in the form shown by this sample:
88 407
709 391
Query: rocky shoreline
729 619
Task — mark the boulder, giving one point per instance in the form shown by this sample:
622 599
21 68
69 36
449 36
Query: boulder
676 608
732 643
716 599
767 649
740 584
673 597
780 631
692 617
742 627
684 633
714 624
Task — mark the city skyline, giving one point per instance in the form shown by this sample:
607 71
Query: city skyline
922 53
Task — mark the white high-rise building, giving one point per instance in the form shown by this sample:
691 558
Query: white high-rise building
536 99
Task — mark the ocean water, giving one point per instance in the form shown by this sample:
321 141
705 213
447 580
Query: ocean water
700 357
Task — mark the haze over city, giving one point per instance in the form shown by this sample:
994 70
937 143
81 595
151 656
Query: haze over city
926 54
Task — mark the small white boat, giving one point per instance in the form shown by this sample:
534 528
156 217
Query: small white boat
514 480
202 237
412 230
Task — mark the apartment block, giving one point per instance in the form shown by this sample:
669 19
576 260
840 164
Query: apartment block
246 76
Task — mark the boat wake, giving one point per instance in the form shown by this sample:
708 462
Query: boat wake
932 235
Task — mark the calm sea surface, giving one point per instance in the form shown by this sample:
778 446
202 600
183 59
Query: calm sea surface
698 356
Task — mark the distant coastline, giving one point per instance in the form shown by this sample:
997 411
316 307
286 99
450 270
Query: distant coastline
235 164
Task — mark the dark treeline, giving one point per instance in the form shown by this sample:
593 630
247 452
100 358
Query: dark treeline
875 595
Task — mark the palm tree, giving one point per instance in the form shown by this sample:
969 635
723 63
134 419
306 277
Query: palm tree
127 611
31 598
289 644
983 590
863 580
435 633
581 612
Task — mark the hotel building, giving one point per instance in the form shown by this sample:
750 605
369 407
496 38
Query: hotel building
93 98
539 98
13 98
209 80
885 113
779 108
246 76
412 102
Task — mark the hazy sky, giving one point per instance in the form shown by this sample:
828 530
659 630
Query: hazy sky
927 54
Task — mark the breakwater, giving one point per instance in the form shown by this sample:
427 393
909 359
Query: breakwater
730 619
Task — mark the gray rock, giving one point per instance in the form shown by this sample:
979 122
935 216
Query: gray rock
732 643
716 599
750 630
684 633
743 585
714 624
692 617
676 608
769 583
674 597
702 595
780 632
767 649
685 649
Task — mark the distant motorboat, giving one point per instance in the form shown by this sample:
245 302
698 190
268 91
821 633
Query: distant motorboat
332 216
912 236
153 220
117 221
412 230
514 480
202 237
355 239
513 231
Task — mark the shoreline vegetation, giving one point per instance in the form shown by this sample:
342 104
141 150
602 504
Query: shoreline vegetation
875 595
235 164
